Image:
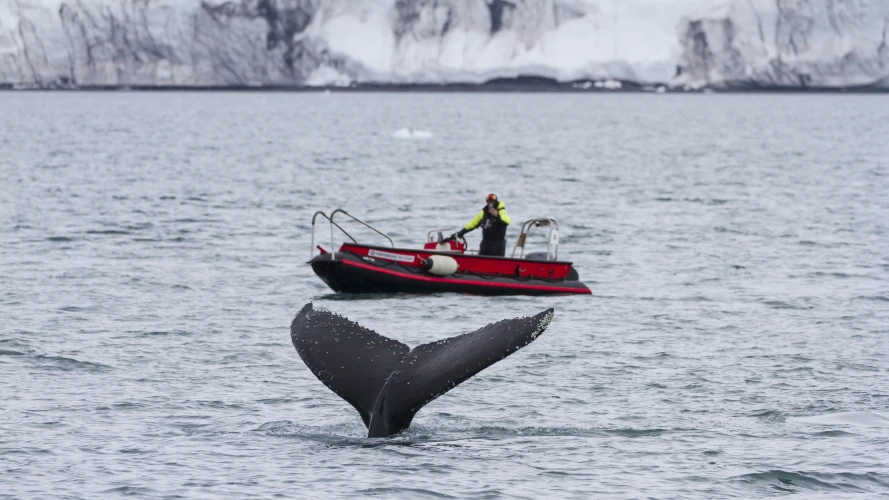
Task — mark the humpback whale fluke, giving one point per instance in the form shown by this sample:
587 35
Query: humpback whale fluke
388 382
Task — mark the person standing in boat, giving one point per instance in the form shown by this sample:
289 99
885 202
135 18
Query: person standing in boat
493 220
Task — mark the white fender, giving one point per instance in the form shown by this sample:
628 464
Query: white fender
441 265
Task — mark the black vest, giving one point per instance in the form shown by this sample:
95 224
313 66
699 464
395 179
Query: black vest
493 229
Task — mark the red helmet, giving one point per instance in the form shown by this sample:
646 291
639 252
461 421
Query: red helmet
491 197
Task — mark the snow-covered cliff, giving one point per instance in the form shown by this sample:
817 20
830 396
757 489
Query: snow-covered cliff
686 43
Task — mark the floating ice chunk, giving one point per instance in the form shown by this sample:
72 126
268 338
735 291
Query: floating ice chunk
412 133
609 84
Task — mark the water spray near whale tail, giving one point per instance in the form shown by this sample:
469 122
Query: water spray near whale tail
388 382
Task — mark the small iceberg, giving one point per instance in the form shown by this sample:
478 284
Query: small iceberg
609 85
412 133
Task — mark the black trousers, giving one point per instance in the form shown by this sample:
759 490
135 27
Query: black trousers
495 248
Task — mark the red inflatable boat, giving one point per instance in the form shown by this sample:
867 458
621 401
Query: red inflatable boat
443 266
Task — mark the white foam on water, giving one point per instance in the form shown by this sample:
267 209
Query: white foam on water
853 418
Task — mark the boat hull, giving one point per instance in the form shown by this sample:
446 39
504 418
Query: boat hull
349 273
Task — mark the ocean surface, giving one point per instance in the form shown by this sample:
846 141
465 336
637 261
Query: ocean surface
153 252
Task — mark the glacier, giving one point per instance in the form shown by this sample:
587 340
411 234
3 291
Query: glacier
689 44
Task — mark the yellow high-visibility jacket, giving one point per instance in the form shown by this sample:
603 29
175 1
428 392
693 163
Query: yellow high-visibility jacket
492 227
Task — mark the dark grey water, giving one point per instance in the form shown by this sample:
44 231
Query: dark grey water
152 251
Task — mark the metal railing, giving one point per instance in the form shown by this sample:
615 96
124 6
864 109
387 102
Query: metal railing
333 223
552 246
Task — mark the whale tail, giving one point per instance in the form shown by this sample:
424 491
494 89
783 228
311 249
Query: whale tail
385 380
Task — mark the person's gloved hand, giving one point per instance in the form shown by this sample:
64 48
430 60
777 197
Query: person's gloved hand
458 234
